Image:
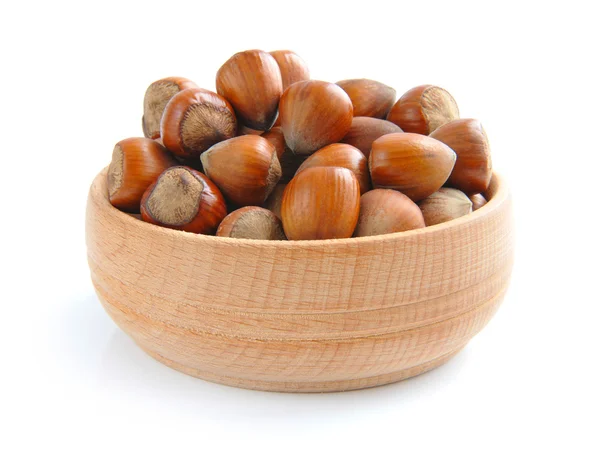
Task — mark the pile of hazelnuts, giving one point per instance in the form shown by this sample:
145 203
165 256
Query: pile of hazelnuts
274 155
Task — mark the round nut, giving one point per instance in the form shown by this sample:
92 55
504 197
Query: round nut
369 97
184 199
251 82
136 163
321 203
292 67
478 200
194 120
387 211
445 205
413 164
423 109
314 114
156 98
472 172
253 223
245 168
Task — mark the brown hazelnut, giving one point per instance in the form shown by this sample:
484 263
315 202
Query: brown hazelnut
341 155
194 120
273 202
413 164
251 82
292 67
423 109
473 169
365 130
136 163
245 131
321 203
387 211
184 199
253 223
245 168
478 200
445 205
314 114
156 98
369 97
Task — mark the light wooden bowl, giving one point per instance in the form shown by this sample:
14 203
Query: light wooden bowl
301 316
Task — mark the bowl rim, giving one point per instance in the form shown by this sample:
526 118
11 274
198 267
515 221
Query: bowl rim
99 192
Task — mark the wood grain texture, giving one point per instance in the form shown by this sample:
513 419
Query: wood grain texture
301 316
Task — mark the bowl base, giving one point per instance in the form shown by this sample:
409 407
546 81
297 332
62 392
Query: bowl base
312 386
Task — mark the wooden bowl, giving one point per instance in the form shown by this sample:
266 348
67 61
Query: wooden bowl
301 316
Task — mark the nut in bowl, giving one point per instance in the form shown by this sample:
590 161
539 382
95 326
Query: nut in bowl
332 313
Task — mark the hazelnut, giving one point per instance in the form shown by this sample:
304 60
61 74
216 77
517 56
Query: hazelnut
245 168
156 98
473 169
365 130
251 82
478 200
387 211
136 163
288 161
292 67
314 114
413 164
253 223
445 205
273 202
341 155
423 109
369 97
194 120
321 203
184 199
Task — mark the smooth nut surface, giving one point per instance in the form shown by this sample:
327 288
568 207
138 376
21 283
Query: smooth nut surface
293 68
314 114
473 169
387 211
413 164
423 109
245 168
194 120
253 223
156 98
136 163
184 199
445 205
366 130
341 155
321 203
251 82
369 97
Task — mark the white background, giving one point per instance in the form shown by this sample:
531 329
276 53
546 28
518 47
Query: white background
73 77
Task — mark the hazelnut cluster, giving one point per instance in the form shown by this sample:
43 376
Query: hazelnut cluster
275 155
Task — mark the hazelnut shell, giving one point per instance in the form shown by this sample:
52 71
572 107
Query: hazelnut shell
321 203
184 199
413 164
136 163
245 168
365 130
472 172
314 114
253 223
423 109
445 205
369 97
293 68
